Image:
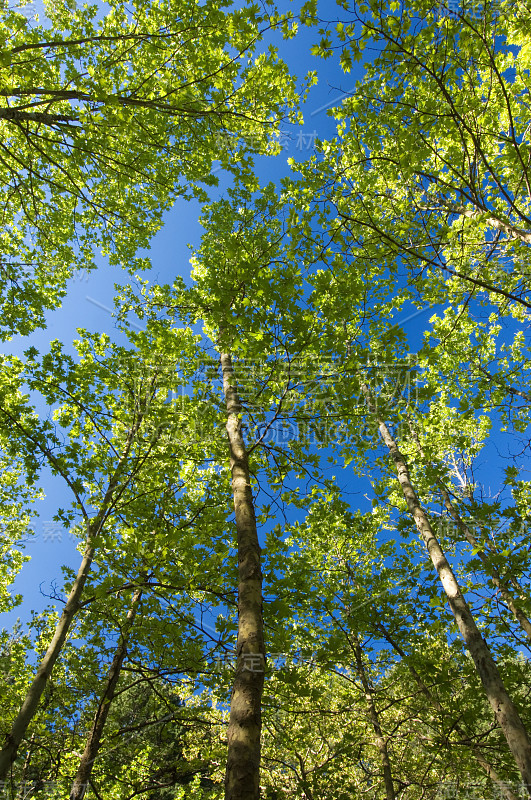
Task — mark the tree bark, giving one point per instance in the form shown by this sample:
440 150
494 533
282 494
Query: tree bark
375 721
242 778
500 702
80 783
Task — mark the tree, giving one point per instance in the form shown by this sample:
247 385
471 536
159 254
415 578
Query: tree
106 450
243 757
387 193
245 277
84 770
432 163
107 119
502 705
302 284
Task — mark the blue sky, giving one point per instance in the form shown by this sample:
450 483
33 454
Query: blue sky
89 301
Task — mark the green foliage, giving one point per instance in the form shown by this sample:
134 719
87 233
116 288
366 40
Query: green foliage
88 146
421 200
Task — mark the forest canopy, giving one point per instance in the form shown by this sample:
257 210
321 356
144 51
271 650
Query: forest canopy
296 473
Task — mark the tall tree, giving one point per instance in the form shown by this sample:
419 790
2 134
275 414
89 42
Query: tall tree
245 280
502 705
107 449
84 770
243 736
110 117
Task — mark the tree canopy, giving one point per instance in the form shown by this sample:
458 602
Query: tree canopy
304 563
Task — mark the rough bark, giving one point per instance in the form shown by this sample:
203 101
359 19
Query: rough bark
80 783
375 721
504 709
242 778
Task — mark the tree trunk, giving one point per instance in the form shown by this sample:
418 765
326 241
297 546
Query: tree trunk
375 720
495 576
31 702
502 705
503 788
242 778
90 752
34 693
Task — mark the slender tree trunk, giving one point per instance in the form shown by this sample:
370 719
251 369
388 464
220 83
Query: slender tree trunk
502 705
495 576
375 720
242 778
34 693
484 764
25 769
90 752
36 689
308 794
